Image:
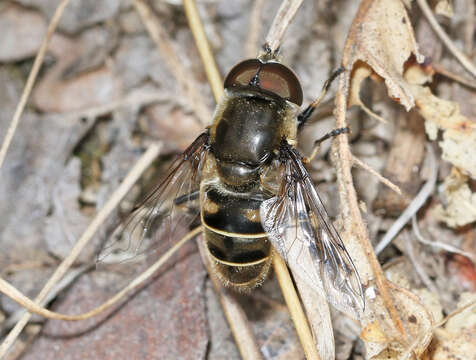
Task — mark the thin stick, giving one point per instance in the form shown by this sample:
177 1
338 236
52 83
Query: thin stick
445 72
208 60
294 305
353 219
454 313
457 53
251 47
414 206
31 80
239 324
24 301
184 78
438 245
147 158
380 178
281 21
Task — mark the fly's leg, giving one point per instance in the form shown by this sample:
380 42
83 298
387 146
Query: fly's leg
306 114
317 143
192 196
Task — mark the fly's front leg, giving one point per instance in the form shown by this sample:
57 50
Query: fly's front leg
317 143
306 114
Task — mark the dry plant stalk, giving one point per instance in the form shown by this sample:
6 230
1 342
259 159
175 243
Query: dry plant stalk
457 53
280 24
235 316
142 164
294 307
159 35
24 301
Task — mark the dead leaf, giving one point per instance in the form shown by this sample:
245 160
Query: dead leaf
460 201
382 38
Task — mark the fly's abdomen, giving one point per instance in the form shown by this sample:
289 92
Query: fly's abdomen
236 241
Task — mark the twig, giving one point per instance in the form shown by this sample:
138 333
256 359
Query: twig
24 301
457 53
469 26
196 26
251 47
31 80
280 24
414 206
159 36
60 286
319 317
437 244
147 158
443 71
454 313
350 206
294 306
380 178
239 324
416 264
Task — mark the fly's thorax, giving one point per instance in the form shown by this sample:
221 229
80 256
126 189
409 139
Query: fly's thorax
248 128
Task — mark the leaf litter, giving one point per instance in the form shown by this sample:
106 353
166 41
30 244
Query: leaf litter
105 48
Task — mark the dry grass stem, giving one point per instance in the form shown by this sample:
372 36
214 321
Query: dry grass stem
450 75
294 305
426 190
187 82
147 158
281 21
380 178
31 80
252 45
417 265
454 313
354 223
319 317
457 53
15 295
235 316
436 244
66 281
208 60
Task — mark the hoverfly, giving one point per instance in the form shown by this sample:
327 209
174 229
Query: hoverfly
253 190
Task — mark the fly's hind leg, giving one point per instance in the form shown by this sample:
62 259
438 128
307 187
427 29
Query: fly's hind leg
317 143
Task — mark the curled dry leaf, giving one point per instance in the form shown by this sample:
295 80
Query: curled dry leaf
460 207
381 37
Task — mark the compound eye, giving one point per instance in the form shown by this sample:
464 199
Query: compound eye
273 77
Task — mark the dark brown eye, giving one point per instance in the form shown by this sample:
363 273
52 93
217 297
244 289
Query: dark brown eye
274 77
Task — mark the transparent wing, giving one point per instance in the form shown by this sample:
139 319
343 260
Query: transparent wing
164 215
299 228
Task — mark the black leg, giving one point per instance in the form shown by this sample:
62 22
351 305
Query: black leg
317 143
306 114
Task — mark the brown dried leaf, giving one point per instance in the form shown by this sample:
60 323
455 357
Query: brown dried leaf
381 37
